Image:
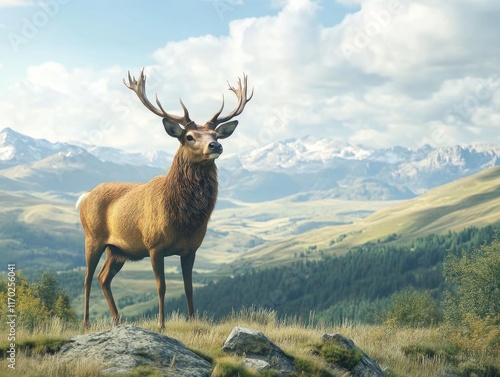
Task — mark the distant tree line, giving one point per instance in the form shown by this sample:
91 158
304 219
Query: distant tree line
353 286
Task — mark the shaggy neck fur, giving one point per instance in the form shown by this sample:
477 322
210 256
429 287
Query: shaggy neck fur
191 192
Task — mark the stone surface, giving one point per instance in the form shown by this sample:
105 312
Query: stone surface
260 353
123 348
366 367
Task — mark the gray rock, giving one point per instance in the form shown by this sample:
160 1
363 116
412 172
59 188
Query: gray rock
123 348
256 364
260 353
366 367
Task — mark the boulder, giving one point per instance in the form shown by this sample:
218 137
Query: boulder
123 348
365 367
260 353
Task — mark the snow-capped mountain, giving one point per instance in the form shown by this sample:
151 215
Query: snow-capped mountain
417 169
396 155
308 154
312 155
157 159
444 165
306 167
18 148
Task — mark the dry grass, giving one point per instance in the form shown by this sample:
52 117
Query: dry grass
399 351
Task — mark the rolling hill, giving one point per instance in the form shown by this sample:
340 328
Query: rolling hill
471 201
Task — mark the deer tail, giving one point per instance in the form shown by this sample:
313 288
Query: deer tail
80 200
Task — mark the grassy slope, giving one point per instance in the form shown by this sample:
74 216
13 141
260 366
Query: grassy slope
37 230
276 222
472 201
39 209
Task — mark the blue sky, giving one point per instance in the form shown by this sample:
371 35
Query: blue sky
373 72
106 33
110 32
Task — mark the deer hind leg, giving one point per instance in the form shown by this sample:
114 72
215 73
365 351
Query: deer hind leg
112 265
93 252
158 264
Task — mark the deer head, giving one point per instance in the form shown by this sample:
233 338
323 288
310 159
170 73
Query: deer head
199 140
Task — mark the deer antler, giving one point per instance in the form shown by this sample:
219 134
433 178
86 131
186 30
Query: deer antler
139 87
241 93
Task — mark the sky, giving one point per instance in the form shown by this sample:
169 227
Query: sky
375 72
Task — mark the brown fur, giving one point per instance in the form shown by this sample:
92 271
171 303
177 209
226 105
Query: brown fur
166 216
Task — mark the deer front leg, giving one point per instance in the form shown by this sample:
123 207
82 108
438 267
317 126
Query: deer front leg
187 262
158 264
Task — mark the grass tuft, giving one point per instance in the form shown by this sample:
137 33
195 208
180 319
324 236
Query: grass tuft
419 352
338 355
143 371
36 346
474 370
231 367
310 368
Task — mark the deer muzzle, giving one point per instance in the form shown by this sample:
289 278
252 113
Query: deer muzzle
215 147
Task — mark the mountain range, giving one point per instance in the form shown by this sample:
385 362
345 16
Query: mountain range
305 168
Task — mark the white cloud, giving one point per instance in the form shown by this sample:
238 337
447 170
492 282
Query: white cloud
412 49
349 2
423 72
16 3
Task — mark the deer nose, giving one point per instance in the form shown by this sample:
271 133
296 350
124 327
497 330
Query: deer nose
215 147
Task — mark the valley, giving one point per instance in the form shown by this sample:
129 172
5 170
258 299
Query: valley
471 201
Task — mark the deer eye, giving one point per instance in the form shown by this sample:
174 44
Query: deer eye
189 138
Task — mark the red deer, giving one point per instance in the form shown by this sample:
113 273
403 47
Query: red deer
166 216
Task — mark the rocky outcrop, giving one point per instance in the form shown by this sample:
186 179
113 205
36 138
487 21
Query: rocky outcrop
260 353
123 348
365 367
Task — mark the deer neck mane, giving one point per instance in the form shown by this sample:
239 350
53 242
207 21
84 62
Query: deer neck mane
191 192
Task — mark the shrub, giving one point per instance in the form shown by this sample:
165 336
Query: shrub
413 308
473 284
36 303
472 300
54 298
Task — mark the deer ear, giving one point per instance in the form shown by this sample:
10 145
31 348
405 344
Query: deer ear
226 129
172 128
